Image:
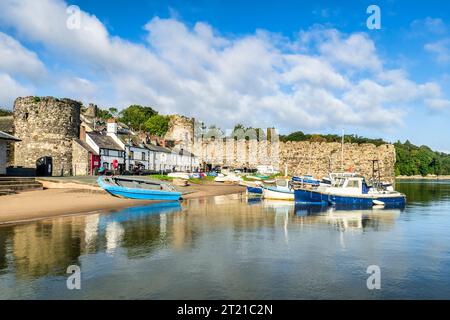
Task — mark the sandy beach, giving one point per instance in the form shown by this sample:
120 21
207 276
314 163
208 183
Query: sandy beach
36 205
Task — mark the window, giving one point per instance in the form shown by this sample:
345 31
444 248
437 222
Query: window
143 155
26 116
353 184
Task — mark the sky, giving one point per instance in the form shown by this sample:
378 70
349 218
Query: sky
293 65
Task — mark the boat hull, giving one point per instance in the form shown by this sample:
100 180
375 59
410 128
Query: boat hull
315 197
139 194
273 194
254 190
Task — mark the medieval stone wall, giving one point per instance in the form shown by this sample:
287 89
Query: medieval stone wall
80 160
46 127
181 131
301 158
319 159
3 156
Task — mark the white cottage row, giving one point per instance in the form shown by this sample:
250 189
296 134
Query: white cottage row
129 152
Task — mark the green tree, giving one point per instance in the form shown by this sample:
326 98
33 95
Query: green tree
113 111
104 114
136 116
5 112
157 125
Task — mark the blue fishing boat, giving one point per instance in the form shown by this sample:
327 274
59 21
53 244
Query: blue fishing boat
255 189
350 190
138 188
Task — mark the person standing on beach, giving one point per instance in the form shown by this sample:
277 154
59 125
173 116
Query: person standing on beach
115 164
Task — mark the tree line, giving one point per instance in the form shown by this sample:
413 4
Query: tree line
138 118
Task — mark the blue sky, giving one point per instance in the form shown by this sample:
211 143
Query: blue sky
295 65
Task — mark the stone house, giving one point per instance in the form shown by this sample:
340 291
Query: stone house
85 159
7 126
5 140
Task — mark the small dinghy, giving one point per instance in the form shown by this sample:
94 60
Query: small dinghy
131 188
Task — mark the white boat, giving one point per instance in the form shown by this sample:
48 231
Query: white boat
281 191
179 175
228 178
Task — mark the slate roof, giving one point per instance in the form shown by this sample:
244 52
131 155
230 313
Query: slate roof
104 141
135 141
86 146
155 148
6 136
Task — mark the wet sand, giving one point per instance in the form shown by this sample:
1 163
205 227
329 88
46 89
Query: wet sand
36 205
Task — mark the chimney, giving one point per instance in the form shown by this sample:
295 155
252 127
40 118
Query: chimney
111 126
82 133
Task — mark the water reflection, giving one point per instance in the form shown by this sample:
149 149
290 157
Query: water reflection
218 239
424 192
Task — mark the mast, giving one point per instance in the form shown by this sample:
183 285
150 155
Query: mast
342 151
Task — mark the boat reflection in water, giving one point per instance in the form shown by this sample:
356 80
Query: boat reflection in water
345 218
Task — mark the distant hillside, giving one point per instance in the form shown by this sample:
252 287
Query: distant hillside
411 160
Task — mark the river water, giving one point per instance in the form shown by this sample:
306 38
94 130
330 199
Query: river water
234 247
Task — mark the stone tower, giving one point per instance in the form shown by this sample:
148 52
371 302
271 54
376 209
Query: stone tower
46 126
181 131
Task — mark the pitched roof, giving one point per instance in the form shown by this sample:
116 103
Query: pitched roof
184 152
7 124
155 148
127 138
5 136
85 146
103 141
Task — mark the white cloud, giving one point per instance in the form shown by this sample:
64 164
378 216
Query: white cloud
441 49
10 90
438 104
323 79
17 60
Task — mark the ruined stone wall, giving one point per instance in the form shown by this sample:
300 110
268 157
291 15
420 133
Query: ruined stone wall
46 127
320 158
317 159
80 160
181 130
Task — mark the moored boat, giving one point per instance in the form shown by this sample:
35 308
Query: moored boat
350 190
306 181
252 187
131 188
281 191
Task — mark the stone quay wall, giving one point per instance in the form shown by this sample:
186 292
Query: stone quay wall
46 126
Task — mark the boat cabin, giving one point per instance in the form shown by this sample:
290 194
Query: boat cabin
349 185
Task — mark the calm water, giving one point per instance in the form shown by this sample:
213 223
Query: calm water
232 248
